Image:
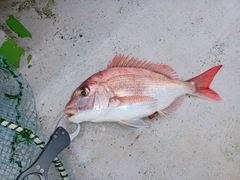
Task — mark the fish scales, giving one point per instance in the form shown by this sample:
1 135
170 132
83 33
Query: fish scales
140 82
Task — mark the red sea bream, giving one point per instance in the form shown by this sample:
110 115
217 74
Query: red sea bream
131 89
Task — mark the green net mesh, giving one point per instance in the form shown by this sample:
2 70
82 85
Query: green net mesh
21 140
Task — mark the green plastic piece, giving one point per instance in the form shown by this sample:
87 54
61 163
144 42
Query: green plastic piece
29 58
12 52
17 27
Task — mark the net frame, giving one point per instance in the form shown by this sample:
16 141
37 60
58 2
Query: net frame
21 138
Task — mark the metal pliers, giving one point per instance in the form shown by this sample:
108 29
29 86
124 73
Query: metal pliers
59 140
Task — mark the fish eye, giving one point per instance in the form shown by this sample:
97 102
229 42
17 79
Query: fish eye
84 91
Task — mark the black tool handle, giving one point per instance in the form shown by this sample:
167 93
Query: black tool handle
58 141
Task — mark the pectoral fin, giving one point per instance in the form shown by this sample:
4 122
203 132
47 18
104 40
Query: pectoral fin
133 124
133 100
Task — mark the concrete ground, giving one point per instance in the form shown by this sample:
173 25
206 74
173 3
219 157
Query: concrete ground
71 40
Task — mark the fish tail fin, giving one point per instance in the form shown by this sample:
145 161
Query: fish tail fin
202 83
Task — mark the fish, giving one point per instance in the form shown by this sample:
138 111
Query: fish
129 90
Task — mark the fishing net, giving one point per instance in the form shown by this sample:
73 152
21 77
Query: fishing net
21 140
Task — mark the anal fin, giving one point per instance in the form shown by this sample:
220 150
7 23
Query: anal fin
173 107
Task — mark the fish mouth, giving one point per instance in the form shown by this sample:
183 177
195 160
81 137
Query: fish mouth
71 118
71 113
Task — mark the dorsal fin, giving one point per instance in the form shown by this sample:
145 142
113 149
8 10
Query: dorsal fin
120 60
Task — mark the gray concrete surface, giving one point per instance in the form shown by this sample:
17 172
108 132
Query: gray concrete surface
200 141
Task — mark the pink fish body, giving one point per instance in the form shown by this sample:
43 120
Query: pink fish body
131 89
